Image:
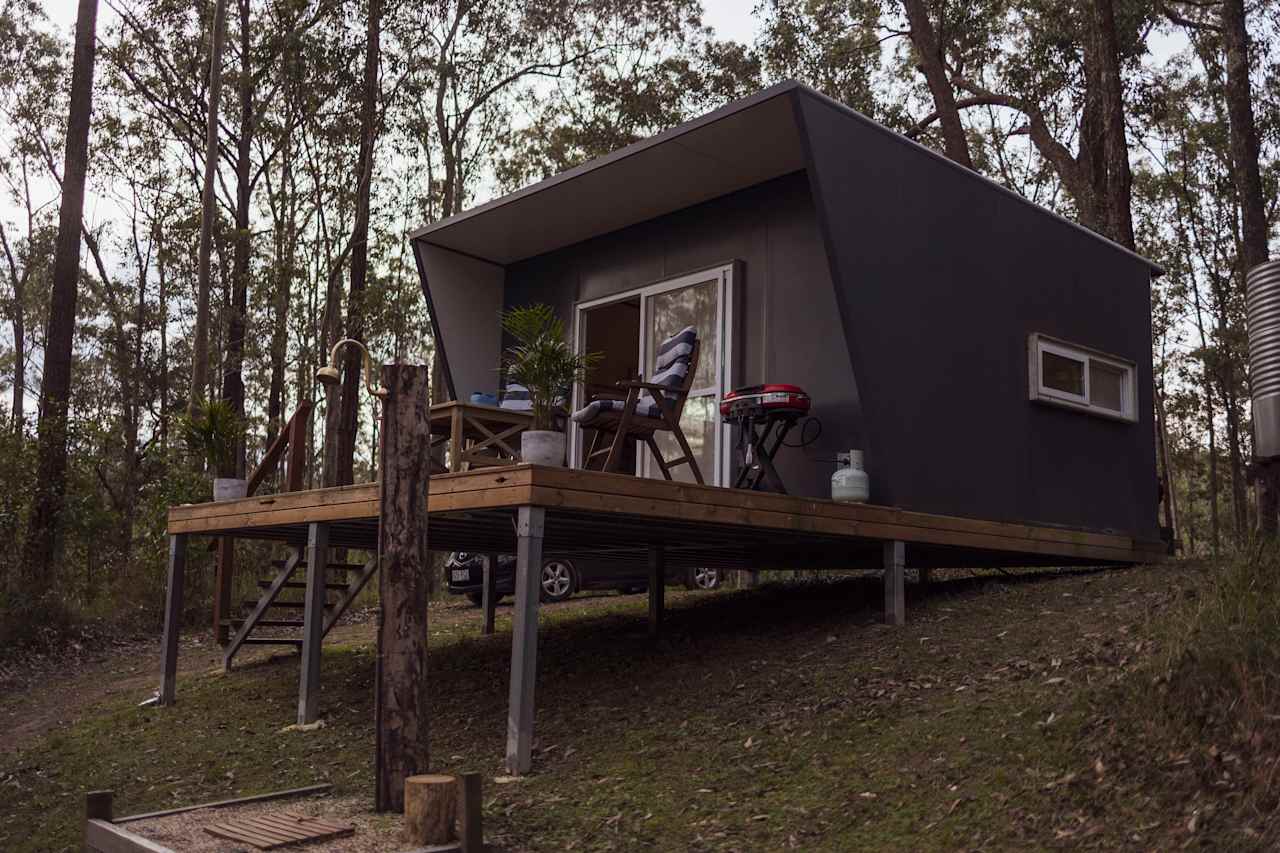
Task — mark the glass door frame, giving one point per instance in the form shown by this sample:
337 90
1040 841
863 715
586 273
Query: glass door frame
728 314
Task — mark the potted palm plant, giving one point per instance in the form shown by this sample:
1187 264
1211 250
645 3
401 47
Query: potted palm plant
211 432
541 360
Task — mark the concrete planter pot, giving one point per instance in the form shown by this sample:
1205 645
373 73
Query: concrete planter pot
229 488
542 447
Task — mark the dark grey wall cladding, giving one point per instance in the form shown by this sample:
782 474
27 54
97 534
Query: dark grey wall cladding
791 328
942 277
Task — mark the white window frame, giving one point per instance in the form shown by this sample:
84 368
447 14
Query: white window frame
1038 344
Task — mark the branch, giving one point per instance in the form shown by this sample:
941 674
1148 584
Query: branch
1168 12
1038 129
961 103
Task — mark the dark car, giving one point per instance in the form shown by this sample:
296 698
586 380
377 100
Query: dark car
562 577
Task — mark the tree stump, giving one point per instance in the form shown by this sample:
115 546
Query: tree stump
430 809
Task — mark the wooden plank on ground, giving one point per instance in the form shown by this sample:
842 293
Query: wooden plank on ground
103 837
278 829
237 801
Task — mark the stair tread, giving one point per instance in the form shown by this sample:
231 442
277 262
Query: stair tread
271 641
253 602
273 623
302 585
350 567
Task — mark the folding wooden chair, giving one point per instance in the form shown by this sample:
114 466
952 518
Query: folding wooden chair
646 408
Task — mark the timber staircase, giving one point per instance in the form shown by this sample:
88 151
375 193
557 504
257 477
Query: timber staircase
271 611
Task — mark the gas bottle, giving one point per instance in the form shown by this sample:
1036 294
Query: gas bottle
849 483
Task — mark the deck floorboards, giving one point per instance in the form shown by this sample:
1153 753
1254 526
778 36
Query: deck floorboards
593 513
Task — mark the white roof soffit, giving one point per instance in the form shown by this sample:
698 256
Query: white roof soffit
745 143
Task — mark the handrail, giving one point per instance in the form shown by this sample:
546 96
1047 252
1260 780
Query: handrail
293 438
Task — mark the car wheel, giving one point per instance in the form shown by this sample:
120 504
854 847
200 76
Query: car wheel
557 580
476 598
703 578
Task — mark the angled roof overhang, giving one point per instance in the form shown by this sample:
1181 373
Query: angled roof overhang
735 147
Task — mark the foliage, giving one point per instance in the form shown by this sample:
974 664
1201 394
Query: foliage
211 432
541 359
1221 660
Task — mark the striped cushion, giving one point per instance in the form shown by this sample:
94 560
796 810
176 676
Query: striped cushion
679 345
672 364
646 407
516 398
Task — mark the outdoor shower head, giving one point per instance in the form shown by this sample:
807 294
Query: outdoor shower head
328 375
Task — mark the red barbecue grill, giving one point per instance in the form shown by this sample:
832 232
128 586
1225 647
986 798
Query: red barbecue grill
764 414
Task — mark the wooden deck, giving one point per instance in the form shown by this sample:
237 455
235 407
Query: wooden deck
593 513
531 511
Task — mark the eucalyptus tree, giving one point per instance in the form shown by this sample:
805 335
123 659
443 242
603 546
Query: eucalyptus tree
41 547
31 80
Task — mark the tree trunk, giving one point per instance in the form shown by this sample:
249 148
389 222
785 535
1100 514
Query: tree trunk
1247 176
1239 497
41 550
1115 148
1245 149
19 347
286 228
233 369
1214 524
348 418
208 210
925 40
162 284
404 586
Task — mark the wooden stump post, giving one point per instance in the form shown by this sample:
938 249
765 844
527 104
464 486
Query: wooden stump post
404 583
470 818
98 806
430 809
524 638
172 618
895 606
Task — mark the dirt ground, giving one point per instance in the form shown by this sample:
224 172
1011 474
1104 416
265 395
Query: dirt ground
42 693
780 718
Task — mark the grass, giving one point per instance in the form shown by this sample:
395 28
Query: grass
1003 716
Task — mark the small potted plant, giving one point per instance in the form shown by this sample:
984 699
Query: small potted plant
540 359
210 432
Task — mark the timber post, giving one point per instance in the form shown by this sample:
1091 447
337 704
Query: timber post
895 607
313 622
224 574
524 638
404 583
489 596
172 617
657 588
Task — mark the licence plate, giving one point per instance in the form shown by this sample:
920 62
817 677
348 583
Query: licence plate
461 575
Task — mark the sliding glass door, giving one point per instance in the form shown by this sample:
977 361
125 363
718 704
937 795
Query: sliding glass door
703 300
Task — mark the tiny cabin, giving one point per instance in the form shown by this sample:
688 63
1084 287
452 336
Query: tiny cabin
991 359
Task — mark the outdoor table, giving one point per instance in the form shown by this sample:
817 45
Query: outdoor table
479 436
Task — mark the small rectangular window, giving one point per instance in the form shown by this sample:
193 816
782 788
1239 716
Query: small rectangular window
1062 374
1076 377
